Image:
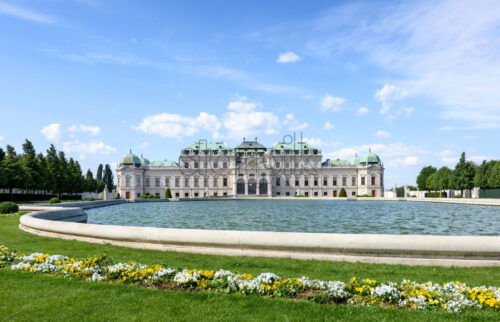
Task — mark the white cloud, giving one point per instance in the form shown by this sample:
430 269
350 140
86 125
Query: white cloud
288 57
447 128
250 123
144 144
93 130
53 132
290 117
383 134
384 151
239 106
1 138
320 143
362 111
448 156
97 147
25 14
299 126
407 111
406 161
390 93
328 125
329 102
177 126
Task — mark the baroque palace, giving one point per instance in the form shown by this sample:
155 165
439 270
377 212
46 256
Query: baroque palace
214 169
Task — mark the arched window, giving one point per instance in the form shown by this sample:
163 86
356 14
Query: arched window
252 186
263 187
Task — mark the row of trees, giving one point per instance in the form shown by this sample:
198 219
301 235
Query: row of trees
52 172
465 176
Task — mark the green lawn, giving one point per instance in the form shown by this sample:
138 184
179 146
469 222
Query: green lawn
32 296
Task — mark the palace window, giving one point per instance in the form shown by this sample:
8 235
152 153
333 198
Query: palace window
196 181
137 181
186 165
287 193
278 181
316 181
306 181
177 182
325 193
215 165
138 195
325 182
196 165
157 194
296 182
363 182
287 165
205 182
127 181
353 179
373 180
344 181
296 165
157 182
334 181
216 181
277 164
306 164
224 165
167 182
287 182
147 182
186 182
224 182
205 165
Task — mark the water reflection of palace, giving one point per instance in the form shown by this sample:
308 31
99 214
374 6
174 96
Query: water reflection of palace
250 169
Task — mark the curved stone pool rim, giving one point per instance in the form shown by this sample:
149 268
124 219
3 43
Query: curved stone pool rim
464 251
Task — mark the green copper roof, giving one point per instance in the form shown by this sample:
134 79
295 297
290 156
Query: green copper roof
369 158
163 164
355 160
144 161
292 146
208 146
131 159
254 145
335 163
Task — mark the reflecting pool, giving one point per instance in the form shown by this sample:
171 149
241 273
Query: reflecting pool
313 216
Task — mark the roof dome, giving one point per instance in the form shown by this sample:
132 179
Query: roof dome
369 158
144 161
355 160
131 159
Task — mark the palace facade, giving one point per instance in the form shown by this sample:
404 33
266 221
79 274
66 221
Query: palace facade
250 169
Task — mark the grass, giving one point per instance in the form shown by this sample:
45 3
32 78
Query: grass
32 296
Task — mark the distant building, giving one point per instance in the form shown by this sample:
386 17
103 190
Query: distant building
250 169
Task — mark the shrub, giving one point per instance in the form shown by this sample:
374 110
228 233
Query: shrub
116 197
301 196
168 194
457 196
156 197
342 193
91 199
8 207
54 200
364 196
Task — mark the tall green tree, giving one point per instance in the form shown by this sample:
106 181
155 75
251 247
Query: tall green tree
31 165
483 173
99 178
463 175
63 184
108 177
53 169
15 172
494 178
3 178
425 173
45 180
90 183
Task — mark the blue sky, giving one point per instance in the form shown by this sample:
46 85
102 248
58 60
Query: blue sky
418 82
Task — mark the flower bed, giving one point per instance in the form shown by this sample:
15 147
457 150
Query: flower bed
452 296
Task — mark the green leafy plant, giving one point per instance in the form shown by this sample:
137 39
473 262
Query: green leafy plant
8 207
91 199
54 200
168 194
342 193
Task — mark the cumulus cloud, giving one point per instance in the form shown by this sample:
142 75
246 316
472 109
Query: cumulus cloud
53 132
97 147
385 151
383 134
247 121
390 93
1 138
320 143
328 125
177 126
362 111
288 57
406 161
329 102
92 130
299 126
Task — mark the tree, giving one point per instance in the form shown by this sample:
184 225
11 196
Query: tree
14 171
494 179
108 177
425 173
463 175
99 178
168 194
483 173
90 183
342 193
31 165
45 180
